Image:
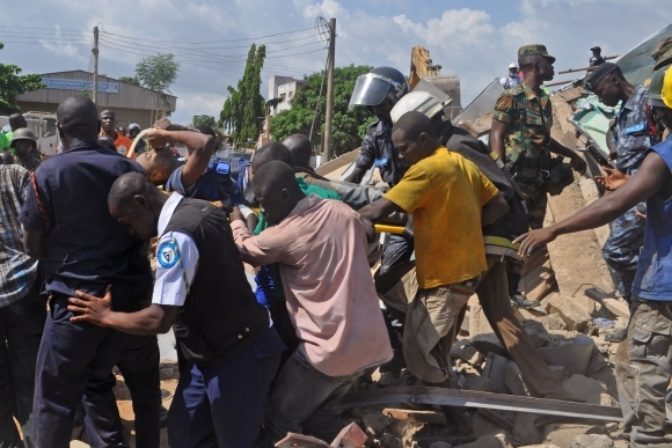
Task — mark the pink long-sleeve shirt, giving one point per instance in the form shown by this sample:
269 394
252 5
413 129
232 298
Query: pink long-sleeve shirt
321 249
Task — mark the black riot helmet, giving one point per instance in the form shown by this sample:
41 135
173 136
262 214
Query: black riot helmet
378 86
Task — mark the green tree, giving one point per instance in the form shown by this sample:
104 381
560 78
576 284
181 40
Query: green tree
13 84
348 126
157 72
201 121
243 111
133 80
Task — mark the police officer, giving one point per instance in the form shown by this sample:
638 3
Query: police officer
512 80
521 135
67 225
379 90
230 350
631 141
649 338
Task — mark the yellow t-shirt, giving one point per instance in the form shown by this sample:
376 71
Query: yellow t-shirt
445 193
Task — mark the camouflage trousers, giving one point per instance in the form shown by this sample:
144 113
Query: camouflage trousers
621 250
536 201
643 373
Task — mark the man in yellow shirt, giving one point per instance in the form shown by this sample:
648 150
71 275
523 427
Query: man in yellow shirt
450 200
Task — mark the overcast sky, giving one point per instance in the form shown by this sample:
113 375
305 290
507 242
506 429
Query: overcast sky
475 39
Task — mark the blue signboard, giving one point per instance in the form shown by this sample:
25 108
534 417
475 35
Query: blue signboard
79 84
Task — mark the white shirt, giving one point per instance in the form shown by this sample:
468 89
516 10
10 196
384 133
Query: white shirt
177 260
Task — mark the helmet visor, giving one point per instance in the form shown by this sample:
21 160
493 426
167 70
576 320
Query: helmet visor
370 90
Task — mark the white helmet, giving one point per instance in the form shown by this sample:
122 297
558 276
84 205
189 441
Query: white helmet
418 100
513 65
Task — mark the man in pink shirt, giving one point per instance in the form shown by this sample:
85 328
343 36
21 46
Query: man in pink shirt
320 246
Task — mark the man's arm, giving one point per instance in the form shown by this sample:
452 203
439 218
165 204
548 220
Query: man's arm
578 164
378 210
642 185
257 250
98 311
356 176
201 147
497 132
494 209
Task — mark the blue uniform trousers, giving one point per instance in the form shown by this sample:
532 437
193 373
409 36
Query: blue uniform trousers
621 250
73 365
221 403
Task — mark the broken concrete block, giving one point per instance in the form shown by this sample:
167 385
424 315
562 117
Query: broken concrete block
563 434
584 389
597 363
592 440
440 444
525 429
351 436
574 356
577 312
292 440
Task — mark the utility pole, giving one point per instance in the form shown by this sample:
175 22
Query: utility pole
95 63
326 145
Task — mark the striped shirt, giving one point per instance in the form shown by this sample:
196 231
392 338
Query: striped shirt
17 270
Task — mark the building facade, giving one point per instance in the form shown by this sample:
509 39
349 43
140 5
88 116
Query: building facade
131 103
281 91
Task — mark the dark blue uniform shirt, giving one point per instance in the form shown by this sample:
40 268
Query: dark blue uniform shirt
84 247
378 150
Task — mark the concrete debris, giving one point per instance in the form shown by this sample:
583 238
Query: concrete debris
592 441
584 389
500 440
564 434
525 429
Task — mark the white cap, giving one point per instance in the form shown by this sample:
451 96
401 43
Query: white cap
420 101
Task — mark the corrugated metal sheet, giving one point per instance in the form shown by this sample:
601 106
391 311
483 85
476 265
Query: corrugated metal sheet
129 96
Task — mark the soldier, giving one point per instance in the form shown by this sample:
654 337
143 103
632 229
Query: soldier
521 135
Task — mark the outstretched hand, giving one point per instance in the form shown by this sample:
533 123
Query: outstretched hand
89 308
533 240
612 180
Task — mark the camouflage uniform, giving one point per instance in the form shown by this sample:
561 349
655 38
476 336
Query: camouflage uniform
528 117
631 140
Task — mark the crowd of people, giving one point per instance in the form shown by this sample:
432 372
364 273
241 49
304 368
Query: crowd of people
260 359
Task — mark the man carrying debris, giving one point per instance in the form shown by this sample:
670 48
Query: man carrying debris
630 139
493 290
446 195
649 336
229 346
320 245
521 135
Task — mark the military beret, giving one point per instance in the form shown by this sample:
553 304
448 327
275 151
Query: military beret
598 74
534 50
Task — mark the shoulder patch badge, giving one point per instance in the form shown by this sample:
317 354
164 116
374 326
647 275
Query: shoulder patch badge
167 254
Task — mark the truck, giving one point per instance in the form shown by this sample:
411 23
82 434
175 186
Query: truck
43 125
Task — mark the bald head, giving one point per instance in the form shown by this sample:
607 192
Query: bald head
300 148
276 189
414 137
78 118
273 151
136 204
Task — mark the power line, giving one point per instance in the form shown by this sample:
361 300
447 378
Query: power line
242 39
